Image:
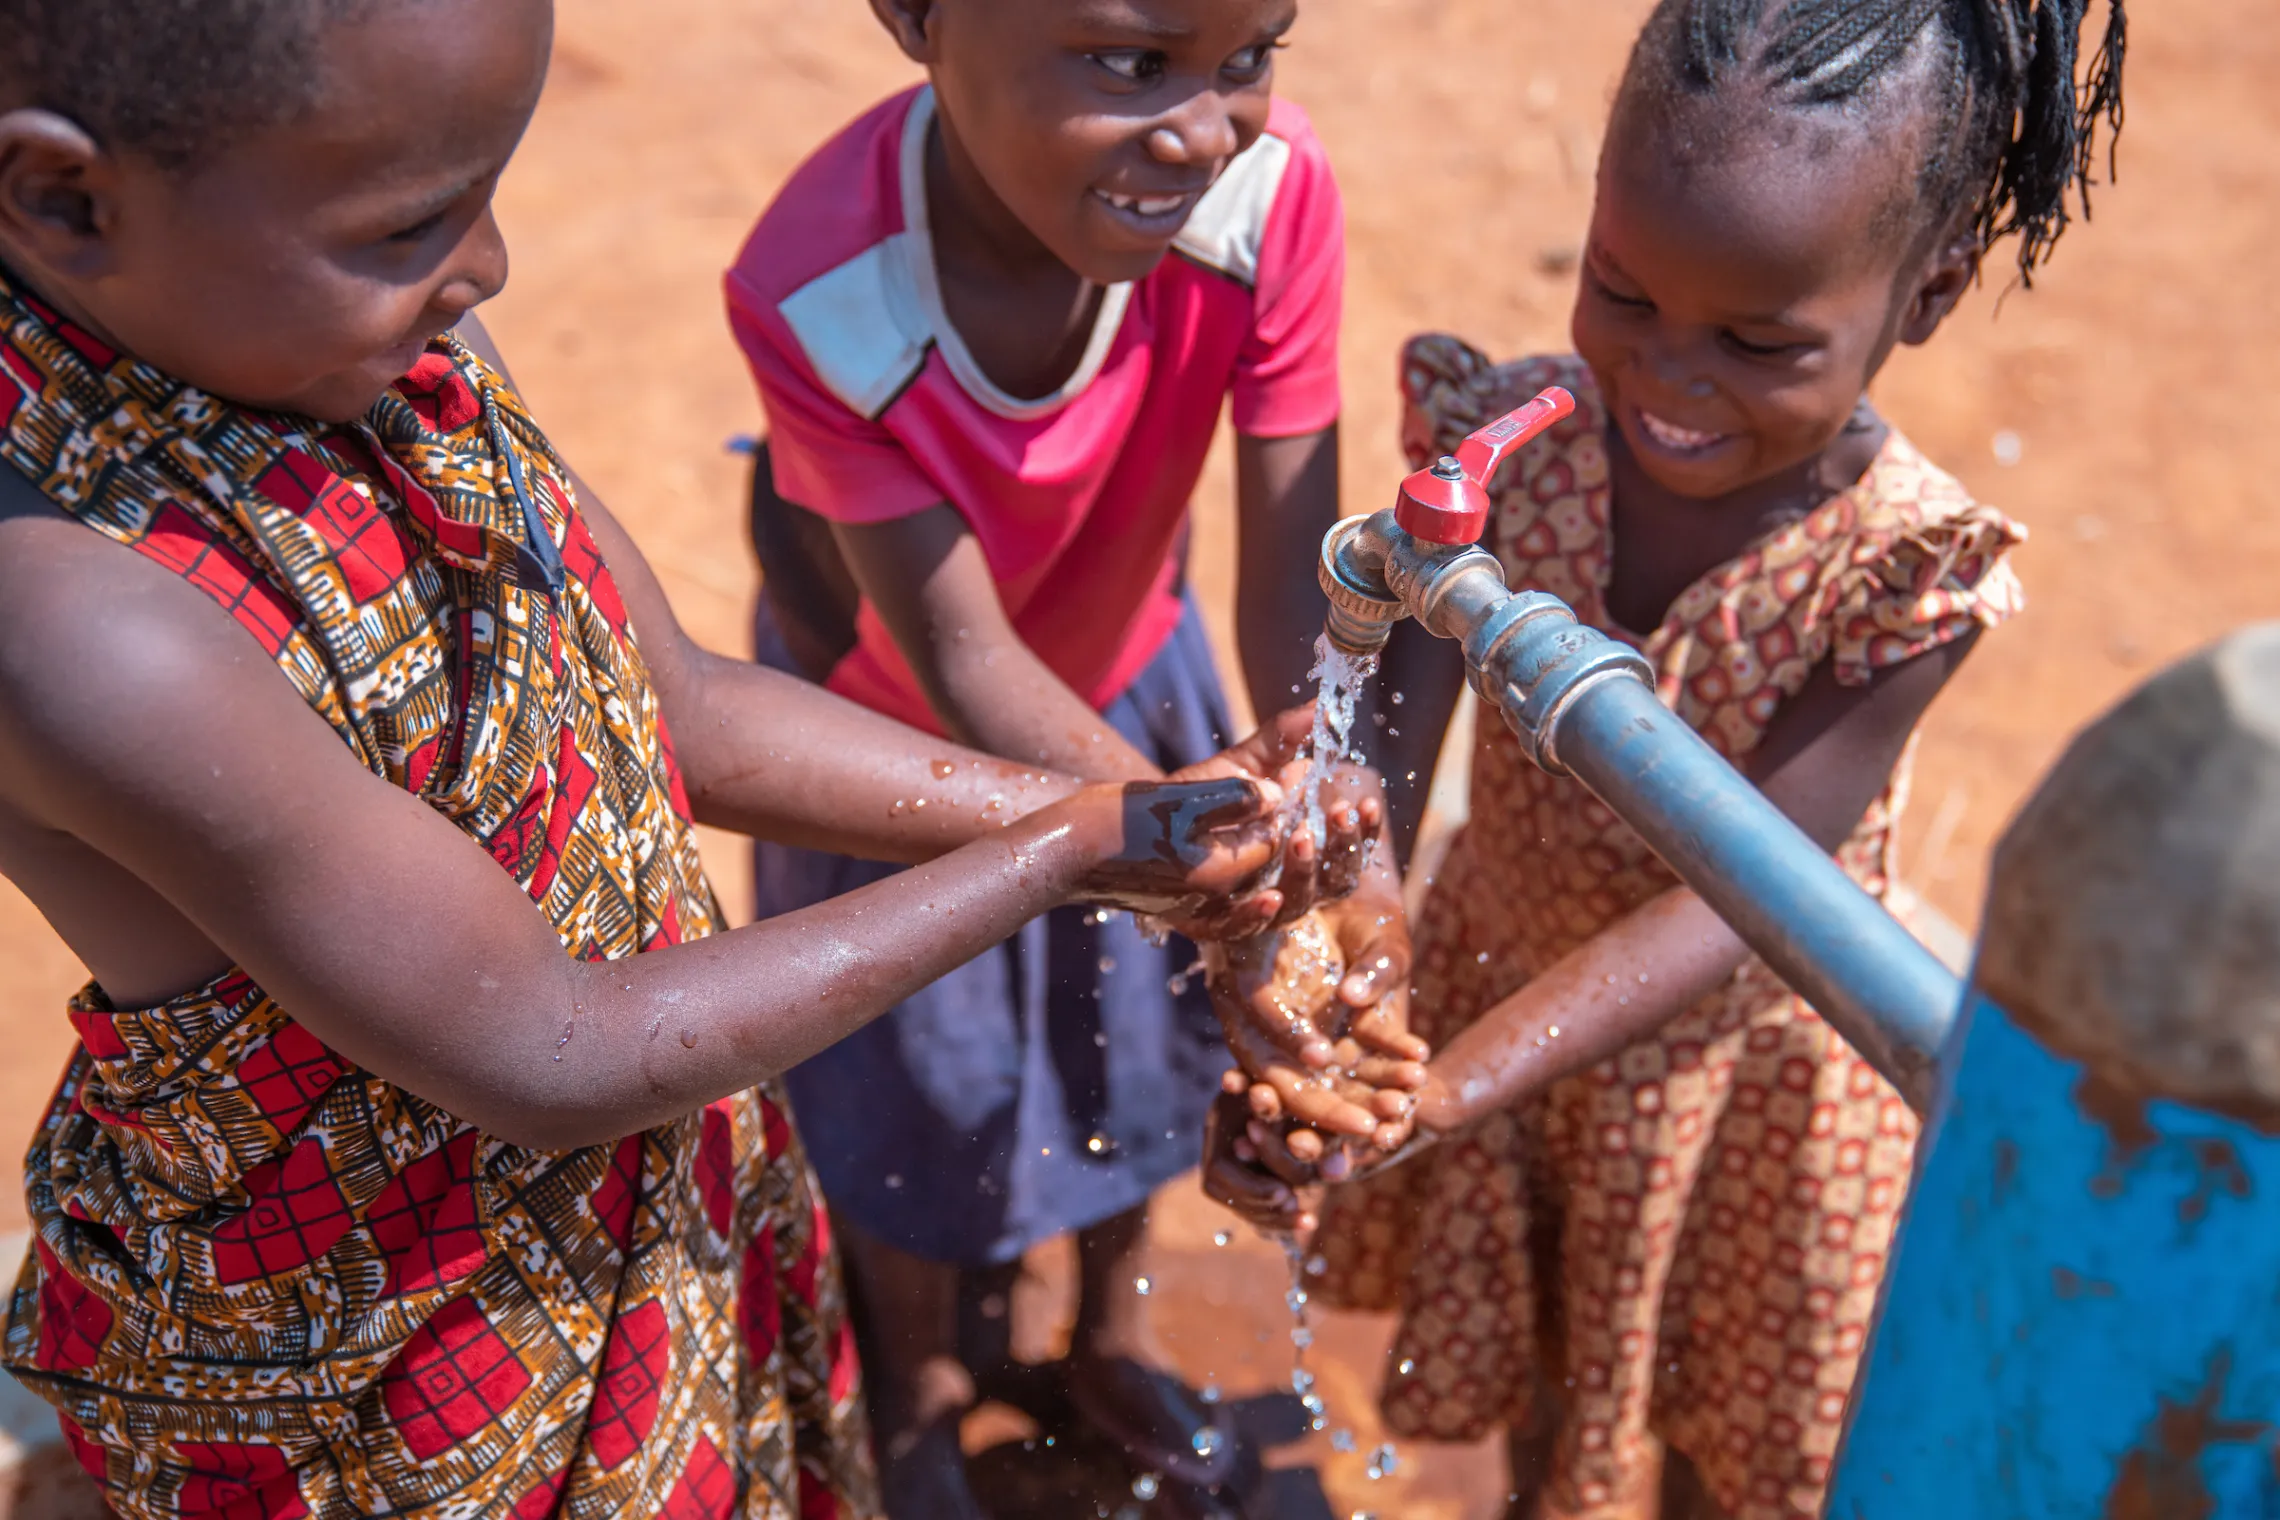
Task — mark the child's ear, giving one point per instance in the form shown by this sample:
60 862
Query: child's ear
907 21
58 193
1953 269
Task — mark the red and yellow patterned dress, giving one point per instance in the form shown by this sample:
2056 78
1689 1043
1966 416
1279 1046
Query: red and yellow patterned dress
267 1284
1685 1243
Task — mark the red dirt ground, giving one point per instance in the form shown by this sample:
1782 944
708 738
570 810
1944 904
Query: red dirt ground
1464 132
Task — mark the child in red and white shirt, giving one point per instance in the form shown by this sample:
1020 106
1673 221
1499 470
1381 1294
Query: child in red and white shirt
994 323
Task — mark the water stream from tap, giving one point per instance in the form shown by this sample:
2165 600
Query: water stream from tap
1340 679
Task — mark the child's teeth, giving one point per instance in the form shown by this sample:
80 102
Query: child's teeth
1670 435
1145 206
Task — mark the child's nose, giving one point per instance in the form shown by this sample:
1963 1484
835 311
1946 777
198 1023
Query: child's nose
1199 132
478 268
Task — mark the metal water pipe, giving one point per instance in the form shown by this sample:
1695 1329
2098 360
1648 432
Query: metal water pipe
1584 705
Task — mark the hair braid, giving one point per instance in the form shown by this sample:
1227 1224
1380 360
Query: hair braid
2016 112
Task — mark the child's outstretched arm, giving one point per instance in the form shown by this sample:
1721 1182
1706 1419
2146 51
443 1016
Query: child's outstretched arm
153 763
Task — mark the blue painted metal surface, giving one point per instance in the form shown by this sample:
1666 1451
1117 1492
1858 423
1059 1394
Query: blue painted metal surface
2078 1322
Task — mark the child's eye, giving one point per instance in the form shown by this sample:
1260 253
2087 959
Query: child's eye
1134 66
1749 349
1253 61
1607 292
418 231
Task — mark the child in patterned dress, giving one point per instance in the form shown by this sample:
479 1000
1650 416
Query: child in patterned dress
421 1152
1660 1217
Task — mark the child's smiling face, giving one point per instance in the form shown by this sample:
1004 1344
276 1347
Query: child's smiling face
1736 300
1097 125
303 267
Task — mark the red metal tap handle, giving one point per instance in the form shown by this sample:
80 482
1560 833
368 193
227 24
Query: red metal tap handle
1447 502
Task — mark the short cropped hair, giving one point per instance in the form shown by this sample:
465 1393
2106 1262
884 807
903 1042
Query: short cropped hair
172 80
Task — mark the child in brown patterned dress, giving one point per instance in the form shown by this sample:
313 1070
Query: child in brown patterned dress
1661 1214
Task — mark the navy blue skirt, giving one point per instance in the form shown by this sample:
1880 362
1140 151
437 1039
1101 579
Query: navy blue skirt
1046 1085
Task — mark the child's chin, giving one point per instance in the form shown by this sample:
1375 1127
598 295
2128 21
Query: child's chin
1119 266
340 398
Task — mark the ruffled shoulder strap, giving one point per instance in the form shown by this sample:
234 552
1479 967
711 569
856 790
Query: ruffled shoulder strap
1929 566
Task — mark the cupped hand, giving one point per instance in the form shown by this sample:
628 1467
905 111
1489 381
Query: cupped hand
1286 1002
1247 1169
1310 871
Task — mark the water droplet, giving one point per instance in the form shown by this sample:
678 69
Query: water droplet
1296 1299
1051 1441
1384 1462
894 1181
2008 447
944 770
1141 1285
1481 959
1144 1487
1554 1031
1207 1440
1302 1337
1100 1144
1399 698
1408 1366
688 1039
1221 1238
1107 964
1301 1381
1209 1393
1364 1514
1317 1265
1312 1403
1341 1440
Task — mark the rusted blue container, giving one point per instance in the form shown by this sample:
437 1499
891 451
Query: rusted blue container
2082 1319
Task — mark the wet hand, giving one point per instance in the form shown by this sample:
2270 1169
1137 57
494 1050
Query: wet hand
1246 1168
1282 1007
1371 931
1353 809
1185 851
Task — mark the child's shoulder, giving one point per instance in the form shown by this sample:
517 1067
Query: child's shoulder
842 202
1906 489
1449 388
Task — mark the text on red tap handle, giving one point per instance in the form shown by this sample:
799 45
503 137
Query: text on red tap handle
1481 453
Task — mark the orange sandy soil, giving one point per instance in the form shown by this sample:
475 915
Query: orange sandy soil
1464 132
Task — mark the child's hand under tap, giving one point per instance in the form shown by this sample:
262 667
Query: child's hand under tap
1317 1013
1303 872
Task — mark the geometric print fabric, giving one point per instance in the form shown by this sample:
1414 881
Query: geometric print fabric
268 1284
1684 1244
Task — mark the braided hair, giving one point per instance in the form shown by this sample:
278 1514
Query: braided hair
2014 111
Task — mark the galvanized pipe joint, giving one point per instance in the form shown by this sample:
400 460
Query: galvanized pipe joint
1583 704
